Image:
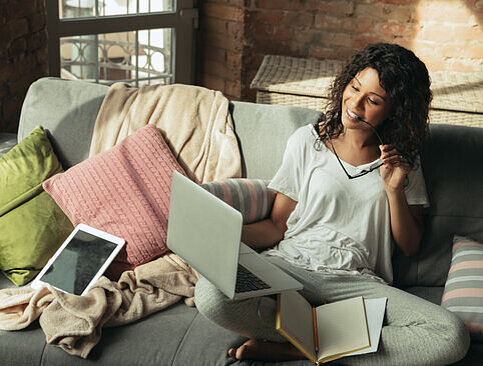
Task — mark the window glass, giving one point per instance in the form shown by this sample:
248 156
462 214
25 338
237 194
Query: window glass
100 8
136 57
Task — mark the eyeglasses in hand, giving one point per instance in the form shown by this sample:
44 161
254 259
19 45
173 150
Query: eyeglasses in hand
362 172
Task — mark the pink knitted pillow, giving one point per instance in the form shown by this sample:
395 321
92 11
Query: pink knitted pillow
124 191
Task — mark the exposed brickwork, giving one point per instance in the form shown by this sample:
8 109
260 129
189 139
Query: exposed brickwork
221 45
447 34
23 55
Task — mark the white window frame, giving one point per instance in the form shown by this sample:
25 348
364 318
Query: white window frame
183 21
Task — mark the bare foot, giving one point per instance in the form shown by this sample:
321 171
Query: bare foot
255 349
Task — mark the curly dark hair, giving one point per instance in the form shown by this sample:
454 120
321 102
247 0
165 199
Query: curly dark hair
405 79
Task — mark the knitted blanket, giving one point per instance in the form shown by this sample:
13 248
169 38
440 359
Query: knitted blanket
195 123
75 323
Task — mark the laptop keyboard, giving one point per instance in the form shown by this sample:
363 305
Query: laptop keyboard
247 281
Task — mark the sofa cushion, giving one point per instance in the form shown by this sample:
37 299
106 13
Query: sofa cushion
432 294
262 131
32 226
177 336
25 347
451 158
67 110
251 197
123 191
463 292
7 141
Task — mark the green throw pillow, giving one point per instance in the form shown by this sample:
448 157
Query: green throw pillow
32 226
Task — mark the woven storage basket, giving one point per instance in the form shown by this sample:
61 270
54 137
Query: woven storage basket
457 97
317 103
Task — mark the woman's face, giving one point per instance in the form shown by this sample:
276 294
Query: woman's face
364 98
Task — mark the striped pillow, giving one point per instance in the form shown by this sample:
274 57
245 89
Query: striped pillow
463 292
249 196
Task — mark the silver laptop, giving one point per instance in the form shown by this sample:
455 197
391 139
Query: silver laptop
206 232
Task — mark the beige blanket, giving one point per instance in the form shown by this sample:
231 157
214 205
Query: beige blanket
74 323
195 123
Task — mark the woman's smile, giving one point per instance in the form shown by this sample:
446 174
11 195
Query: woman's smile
352 116
364 99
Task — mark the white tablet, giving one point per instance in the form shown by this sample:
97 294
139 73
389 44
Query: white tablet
80 260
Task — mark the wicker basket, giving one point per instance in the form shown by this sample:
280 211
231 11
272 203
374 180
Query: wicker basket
457 97
317 103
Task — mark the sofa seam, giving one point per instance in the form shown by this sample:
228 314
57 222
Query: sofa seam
183 339
41 361
456 216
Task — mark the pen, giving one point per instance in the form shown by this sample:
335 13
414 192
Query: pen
316 333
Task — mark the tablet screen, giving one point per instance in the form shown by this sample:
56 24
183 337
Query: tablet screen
79 262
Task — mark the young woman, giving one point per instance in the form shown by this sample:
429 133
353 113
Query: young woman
349 191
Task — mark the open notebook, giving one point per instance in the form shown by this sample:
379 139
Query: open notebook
330 331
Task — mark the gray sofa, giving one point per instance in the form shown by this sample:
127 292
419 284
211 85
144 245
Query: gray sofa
180 335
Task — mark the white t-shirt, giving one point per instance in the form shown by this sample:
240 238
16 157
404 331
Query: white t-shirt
339 225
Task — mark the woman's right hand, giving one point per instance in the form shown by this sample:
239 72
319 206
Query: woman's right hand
394 170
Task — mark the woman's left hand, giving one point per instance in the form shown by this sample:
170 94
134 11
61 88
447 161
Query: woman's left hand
394 169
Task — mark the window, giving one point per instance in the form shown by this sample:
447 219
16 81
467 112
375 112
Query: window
134 41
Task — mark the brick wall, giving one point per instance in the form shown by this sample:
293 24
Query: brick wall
236 34
23 55
222 45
